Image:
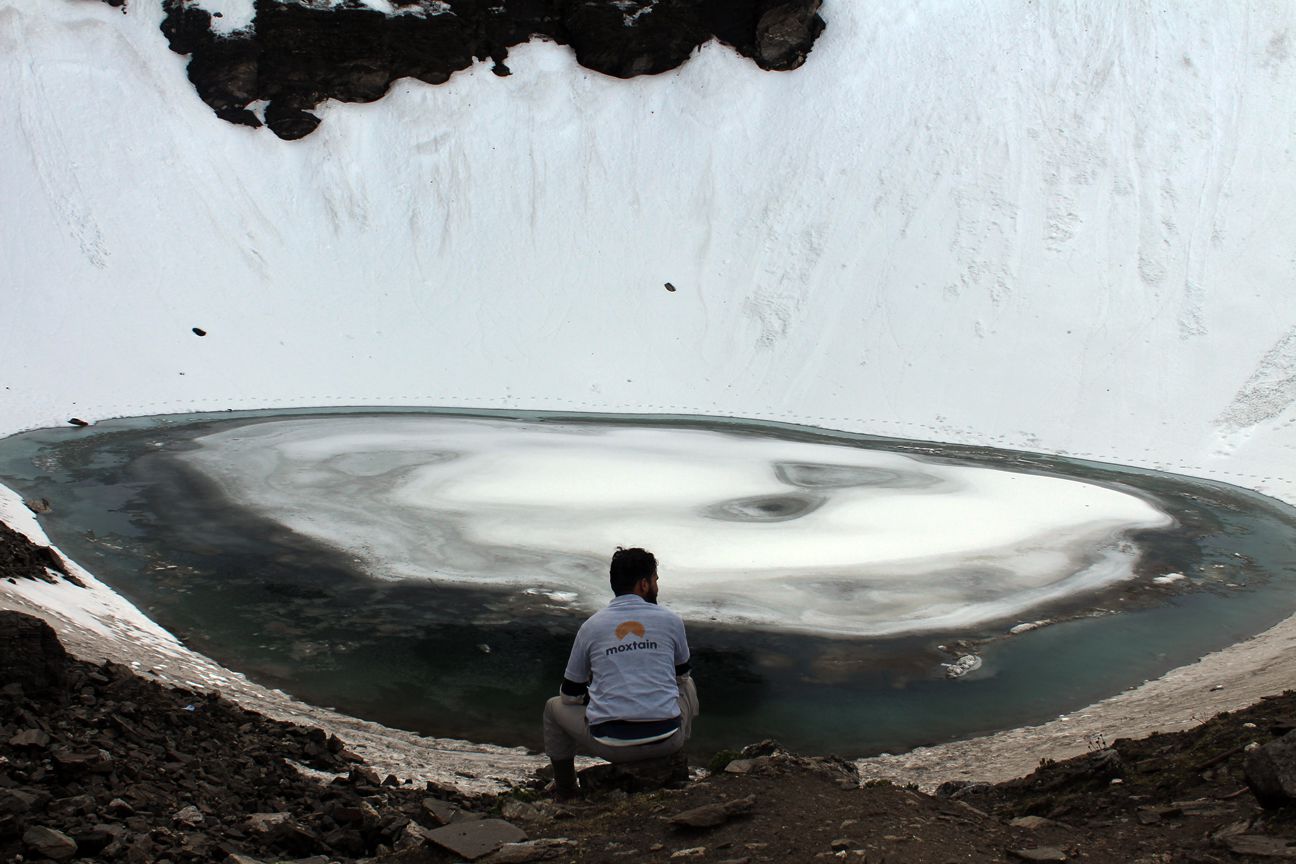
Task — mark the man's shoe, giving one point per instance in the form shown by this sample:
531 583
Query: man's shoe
563 794
565 785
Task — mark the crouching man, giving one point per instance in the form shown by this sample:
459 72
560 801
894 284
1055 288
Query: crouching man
626 694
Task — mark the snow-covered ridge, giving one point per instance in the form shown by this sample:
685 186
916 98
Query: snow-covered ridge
1030 227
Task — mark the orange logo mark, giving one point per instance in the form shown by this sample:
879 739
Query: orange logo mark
629 627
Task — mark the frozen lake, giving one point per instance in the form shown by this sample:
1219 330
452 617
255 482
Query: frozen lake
428 569
749 529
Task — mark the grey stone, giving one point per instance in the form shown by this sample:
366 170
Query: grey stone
441 811
711 815
29 738
50 843
1205 807
190 816
1031 822
642 776
1271 771
785 34
412 836
519 811
265 823
119 807
17 801
363 775
532 850
1260 846
93 761
31 653
1039 853
475 839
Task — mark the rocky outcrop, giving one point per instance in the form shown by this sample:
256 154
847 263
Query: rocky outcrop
31 658
20 558
98 763
1270 772
294 55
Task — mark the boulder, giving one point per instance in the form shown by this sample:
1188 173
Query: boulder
1271 771
711 815
20 558
1260 846
786 33
476 839
32 655
189 816
412 836
643 776
15 802
50 843
290 123
519 811
546 849
442 812
30 738
1039 853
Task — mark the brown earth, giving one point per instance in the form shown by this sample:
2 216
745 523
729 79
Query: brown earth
1168 798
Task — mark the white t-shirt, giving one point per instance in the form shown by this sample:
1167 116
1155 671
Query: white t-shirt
628 652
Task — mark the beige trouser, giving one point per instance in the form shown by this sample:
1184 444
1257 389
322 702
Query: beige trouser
566 733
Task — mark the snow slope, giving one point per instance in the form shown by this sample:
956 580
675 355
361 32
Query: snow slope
1066 229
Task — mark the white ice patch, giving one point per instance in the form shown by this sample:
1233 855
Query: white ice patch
1168 579
229 16
748 529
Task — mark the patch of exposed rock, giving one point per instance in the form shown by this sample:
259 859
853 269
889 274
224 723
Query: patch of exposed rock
20 558
96 762
295 55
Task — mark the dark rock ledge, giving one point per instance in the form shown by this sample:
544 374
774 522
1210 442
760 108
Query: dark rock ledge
20 558
295 55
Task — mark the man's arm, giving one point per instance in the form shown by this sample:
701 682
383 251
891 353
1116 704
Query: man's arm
574 692
683 657
575 686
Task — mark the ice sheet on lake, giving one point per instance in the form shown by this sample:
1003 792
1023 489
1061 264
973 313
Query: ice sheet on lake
747 528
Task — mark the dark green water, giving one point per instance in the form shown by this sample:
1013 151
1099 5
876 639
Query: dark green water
295 615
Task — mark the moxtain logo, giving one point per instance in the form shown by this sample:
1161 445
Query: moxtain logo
627 627
624 629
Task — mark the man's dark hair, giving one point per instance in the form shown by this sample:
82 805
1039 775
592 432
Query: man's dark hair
628 567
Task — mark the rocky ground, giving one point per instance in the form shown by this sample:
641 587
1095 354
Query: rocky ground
99 764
